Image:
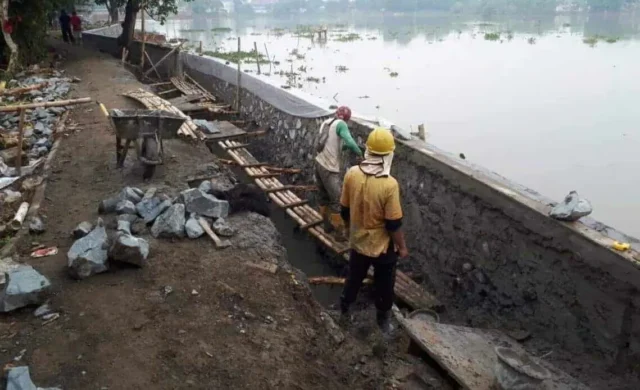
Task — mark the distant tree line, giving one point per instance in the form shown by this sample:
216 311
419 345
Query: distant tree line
485 7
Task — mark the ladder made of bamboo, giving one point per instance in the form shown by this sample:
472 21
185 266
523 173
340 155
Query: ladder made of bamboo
310 219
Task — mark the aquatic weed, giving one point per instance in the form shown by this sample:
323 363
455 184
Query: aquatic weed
491 36
341 68
348 38
591 41
531 40
221 29
238 56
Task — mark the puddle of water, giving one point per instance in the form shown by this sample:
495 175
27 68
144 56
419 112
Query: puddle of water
303 254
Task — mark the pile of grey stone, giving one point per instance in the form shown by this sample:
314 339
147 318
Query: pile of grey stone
141 212
40 122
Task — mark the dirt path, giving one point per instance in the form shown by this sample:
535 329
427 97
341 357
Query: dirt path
243 328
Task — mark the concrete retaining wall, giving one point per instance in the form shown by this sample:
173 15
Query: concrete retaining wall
485 246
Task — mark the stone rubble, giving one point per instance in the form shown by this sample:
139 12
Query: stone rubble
129 249
201 203
82 229
170 224
88 255
24 286
36 226
193 228
222 228
125 207
18 378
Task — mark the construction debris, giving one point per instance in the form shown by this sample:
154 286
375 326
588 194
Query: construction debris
24 286
170 224
88 255
201 203
192 227
130 249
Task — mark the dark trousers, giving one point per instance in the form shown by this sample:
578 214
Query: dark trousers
67 35
384 279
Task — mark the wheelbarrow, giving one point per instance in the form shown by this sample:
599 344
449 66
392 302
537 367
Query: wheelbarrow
146 128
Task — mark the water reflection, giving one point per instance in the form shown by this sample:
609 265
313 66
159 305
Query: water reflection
532 102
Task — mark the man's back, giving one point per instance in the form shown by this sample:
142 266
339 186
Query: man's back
371 201
76 22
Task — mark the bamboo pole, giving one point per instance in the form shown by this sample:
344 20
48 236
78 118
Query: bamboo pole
57 103
144 38
164 58
20 134
204 91
269 58
332 280
21 90
200 50
255 47
154 68
238 81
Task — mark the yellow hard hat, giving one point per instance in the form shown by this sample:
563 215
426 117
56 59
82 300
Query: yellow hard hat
381 142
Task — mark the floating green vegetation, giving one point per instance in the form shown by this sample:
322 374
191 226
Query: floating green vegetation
278 32
491 36
239 56
302 69
221 29
190 30
348 38
591 41
509 35
393 74
566 24
295 53
313 79
255 34
341 68
531 41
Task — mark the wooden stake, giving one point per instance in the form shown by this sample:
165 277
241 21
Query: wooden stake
144 39
421 132
238 80
255 47
20 133
154 68
163 58
57 103
332 280
18 91
268 58
168 91
200 51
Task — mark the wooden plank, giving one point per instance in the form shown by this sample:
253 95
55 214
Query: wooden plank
57 103
239 146
263 266
468 353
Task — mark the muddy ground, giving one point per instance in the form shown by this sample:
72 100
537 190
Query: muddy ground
244 328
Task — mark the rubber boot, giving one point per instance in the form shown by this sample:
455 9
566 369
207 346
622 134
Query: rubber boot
383 318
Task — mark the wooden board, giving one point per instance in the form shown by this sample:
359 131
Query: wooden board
154 102
189 88
227 130
468 353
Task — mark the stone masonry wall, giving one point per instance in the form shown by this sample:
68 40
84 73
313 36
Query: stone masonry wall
492 259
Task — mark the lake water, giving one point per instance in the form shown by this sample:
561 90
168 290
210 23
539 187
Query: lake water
538 106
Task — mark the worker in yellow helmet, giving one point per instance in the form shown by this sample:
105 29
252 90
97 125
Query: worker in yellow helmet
371 209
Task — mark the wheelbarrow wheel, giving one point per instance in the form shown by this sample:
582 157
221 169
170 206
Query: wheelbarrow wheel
150 152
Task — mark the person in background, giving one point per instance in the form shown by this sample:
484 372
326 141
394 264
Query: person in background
65 26
76 25
333 133
372 212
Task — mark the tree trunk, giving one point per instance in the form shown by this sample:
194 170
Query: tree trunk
13 48
129 24
114 15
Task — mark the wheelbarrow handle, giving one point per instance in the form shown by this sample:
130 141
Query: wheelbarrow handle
104 109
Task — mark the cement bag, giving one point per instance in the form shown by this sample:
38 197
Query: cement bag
572 208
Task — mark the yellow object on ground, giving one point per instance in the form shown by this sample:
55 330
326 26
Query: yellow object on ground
371 201
3 85
381 142
620 246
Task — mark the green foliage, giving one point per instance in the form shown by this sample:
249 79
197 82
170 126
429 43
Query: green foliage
491 36
238 56
348 38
